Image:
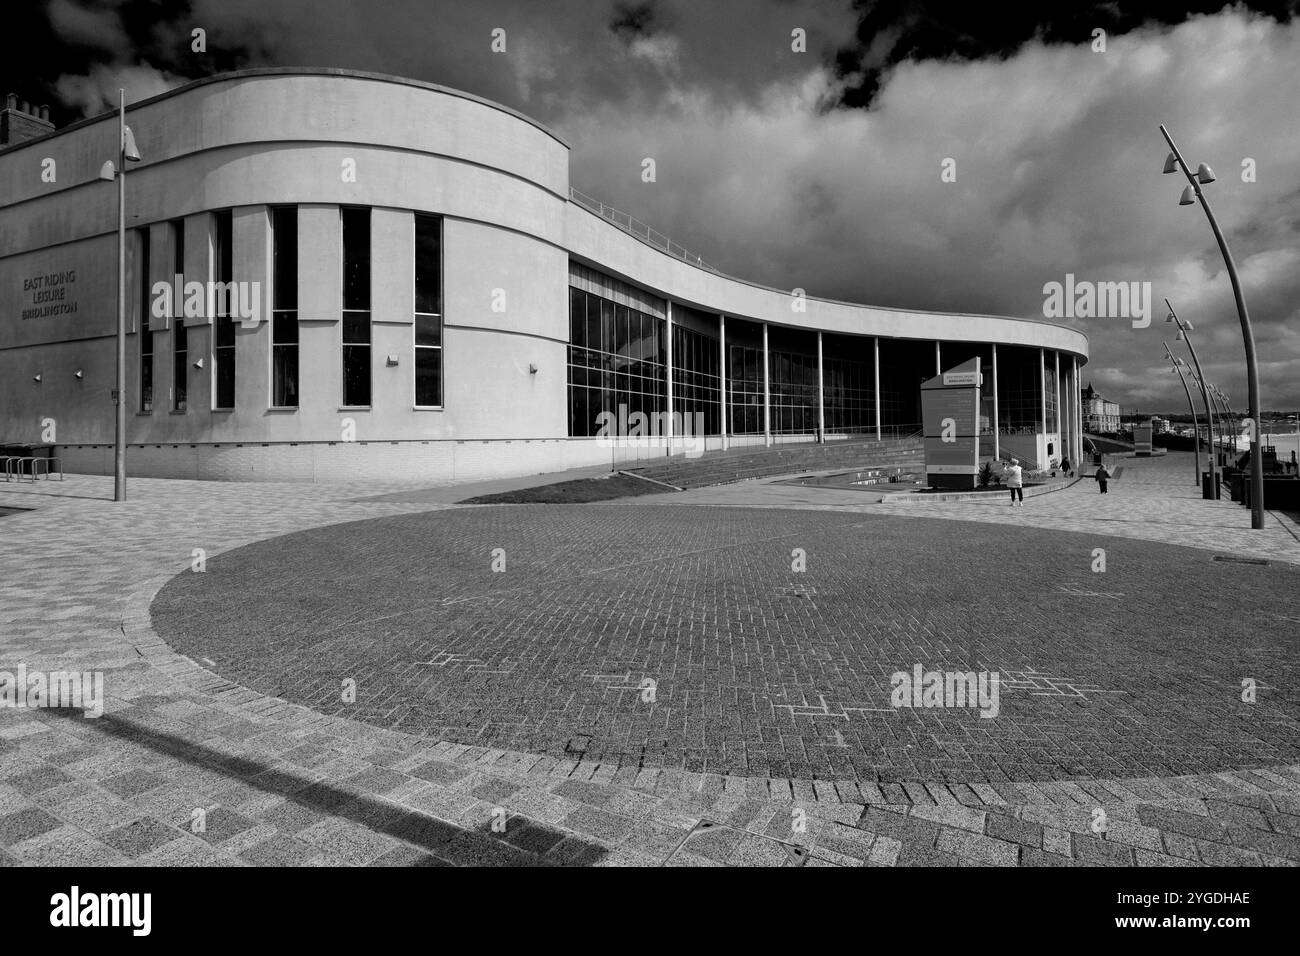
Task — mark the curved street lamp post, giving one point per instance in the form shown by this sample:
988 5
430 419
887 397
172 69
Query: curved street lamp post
1184 328
1203 176
1178 365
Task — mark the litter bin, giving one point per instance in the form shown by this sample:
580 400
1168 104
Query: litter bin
1238 487
1210 486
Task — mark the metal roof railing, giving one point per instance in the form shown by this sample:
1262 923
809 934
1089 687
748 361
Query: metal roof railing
637 228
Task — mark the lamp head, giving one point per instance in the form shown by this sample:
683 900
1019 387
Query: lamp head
1179 338
1188 198
1169 317
108 171
1171 164
133 155
1204 174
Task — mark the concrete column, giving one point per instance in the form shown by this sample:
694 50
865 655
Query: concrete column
821 391
392 310
876 380
320 309
722 368
767 393
668 330
251 262
938 358
997 422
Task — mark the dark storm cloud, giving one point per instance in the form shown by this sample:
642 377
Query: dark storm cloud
769 167
896 31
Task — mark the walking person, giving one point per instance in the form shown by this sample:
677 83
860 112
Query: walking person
1015 481
1065 467
1102 477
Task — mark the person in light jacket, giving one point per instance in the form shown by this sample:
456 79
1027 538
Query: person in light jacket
1015 477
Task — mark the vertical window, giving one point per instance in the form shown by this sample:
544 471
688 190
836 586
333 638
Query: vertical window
146 335
614 359
180 347
428 311
356 307
284 307
223 326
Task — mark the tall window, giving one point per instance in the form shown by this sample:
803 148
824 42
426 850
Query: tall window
616 360
428 311
745 383
356 307
696 385
146 336
849 394
223 326
180 346
284 307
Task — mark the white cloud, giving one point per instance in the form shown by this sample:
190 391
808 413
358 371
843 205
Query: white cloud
97 92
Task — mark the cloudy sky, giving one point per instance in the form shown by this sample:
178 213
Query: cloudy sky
822 169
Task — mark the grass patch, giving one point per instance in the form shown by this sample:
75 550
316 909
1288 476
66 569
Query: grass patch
580 491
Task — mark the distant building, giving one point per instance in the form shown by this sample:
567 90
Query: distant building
1161 425
1101 417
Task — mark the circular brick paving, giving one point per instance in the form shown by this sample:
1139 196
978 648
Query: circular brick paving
758 670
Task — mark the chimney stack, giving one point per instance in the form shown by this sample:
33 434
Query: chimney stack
20 122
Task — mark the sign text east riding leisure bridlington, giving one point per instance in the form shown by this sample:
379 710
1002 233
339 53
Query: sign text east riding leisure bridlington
53 293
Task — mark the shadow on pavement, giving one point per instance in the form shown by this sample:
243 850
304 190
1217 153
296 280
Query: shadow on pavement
525 844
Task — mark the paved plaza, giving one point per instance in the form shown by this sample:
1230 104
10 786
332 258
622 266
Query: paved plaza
649 681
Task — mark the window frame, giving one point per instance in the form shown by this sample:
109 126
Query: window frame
277 313
344 344
416 347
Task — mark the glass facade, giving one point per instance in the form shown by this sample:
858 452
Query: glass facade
793 390
1020 402
146 335
616 356
284 307
849 394
1049 391
223 325
616 359
180 335
356 307
745 390
697 383
428 311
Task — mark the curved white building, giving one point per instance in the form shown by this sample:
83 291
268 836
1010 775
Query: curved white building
420 294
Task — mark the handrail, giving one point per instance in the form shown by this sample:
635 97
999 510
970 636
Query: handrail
636 227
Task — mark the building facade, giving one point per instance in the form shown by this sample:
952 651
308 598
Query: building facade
335 275
1100 416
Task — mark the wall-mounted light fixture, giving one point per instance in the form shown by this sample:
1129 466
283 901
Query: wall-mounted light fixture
199 364
37 378
532 369
392 360
77 373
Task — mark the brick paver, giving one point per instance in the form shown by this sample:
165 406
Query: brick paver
284 784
